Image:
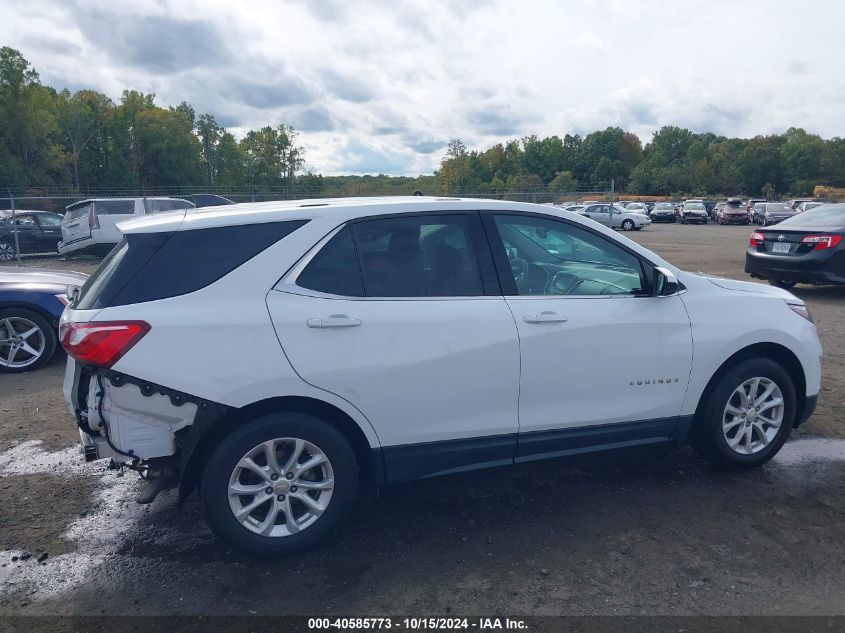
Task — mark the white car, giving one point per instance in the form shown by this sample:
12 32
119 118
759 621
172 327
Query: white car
637 207
286 356
92 224
615 216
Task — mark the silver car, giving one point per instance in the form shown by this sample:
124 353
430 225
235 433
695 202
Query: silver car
775 212
616 217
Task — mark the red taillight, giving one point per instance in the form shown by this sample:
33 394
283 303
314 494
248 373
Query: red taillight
756 238
821 242
101 343
93 221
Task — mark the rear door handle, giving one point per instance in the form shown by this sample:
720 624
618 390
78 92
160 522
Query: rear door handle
335 320
544 317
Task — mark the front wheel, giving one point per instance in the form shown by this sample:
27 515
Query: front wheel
748 415
279 483
628 225
27 341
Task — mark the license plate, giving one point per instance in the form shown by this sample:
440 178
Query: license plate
781 248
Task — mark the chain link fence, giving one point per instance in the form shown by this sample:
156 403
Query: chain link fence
44 224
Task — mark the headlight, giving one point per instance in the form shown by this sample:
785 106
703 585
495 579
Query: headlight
800 309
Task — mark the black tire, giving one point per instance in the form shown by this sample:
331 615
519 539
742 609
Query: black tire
782 283
45 330
707 437
704 221
627 225
221 464
7 250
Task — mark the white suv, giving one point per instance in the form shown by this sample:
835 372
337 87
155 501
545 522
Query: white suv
284 356
92 224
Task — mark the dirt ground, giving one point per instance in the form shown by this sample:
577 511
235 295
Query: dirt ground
653 531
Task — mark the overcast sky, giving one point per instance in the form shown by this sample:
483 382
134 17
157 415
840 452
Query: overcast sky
380 86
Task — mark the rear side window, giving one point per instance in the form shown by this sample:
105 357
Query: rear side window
152 266
114 207
334 270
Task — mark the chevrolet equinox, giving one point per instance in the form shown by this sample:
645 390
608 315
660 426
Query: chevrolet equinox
281 358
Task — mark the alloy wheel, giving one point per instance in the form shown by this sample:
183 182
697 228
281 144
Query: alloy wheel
22 342
281 487
7 252
753 416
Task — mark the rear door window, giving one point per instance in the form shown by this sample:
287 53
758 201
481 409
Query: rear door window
429 256
416 256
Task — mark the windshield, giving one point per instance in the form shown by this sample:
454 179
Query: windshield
663 206
694 206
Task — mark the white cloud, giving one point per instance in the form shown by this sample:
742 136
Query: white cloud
380 85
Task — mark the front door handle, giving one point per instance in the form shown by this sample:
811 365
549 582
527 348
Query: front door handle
335 320
544 317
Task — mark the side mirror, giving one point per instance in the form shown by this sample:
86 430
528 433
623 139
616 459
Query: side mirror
665 282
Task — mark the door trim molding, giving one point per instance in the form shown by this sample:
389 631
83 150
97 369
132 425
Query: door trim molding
408 462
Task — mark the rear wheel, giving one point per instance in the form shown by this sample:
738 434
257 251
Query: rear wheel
279 483
27 341
748 415
7 251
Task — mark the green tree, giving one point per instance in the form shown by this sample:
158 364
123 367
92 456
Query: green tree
272 157
768 191
168 150
563 182
29 152
81 116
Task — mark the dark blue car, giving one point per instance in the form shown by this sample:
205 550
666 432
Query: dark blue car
31 302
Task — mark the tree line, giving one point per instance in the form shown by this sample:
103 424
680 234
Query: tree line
86 141
675 162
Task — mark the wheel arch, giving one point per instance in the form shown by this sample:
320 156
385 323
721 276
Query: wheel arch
782 355
200 447
32 307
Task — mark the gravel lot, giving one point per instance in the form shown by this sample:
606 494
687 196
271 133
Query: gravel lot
647 531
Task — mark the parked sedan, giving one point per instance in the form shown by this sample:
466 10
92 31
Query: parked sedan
615 217
36 232
693 211
636 207
31 303
663 212
776 212
732 212
806 248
